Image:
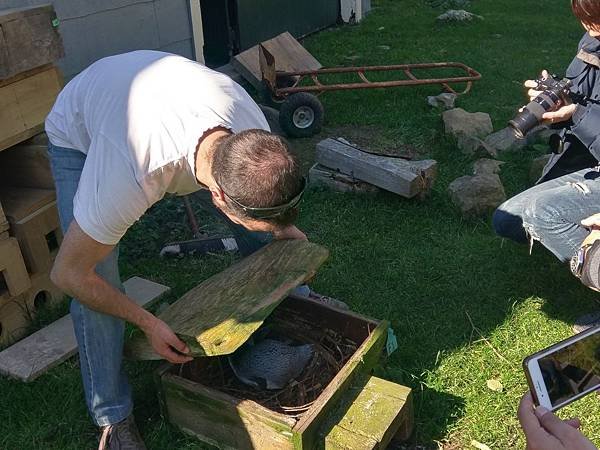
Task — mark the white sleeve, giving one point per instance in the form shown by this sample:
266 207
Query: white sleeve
109 198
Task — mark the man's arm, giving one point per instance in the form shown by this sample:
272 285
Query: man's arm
74 273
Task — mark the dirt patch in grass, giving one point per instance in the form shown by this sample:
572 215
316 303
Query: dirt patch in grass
369 138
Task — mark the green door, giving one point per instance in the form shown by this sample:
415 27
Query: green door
259 20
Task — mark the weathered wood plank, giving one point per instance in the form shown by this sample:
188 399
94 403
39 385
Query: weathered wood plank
20 203
21 136
28 39
24 105
26 165
319 175
45 349
406 178
217 316
14 319
13 273
33 216
289 55
306 431
342 439
222 420
378 411
39 236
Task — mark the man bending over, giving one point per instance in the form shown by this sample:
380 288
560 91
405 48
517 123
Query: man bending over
123 133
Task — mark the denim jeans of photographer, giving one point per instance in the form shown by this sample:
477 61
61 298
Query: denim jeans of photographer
551 212
100 336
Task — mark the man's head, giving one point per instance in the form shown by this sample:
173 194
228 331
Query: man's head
258 179
588 12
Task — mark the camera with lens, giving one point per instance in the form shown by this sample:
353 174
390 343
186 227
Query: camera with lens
554 94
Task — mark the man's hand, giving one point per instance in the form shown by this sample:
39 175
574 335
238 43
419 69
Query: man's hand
289 232
166 343
74 273
592 222
544 431
562 114
532 84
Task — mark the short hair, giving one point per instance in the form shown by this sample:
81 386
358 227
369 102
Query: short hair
587 11
257 169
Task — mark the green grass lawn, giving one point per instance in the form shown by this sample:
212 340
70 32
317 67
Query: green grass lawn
466 306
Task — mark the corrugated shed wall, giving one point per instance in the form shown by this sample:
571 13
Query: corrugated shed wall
92 29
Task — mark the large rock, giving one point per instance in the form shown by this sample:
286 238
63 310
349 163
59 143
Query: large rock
537 167
471 145
505 140
444 100
486 166
458 15
477 195
469 129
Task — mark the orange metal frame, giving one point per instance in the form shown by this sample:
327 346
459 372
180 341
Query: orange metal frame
270 77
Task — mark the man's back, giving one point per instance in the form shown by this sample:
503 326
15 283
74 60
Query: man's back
139 97
139 118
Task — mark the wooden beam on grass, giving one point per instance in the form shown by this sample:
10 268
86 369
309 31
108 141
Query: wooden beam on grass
400 176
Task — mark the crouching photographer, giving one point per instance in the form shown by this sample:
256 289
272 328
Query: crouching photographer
569 190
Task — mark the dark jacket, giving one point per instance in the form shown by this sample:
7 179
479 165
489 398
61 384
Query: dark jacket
581 134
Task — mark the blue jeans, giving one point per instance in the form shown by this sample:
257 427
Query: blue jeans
551 212
100 336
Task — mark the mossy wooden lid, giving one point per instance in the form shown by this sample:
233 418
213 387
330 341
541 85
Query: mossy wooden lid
221 313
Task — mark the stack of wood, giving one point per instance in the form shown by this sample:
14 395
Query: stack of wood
343 166
29 227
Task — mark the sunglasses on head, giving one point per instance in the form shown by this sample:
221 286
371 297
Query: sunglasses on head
272 211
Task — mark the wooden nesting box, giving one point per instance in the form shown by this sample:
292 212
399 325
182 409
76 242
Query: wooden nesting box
14 279
42 293
25 101
27 165
218 316
29 38
15 318
34 221
17 312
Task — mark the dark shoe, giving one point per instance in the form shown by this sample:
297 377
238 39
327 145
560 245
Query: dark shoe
121 436
586 322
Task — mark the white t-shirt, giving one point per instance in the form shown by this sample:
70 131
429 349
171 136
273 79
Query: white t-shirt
138 117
